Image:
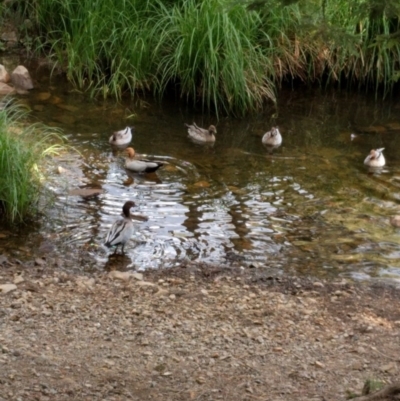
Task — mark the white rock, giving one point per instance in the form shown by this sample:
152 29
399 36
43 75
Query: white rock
146 284
117 275
4 75
85 282
21 78
18 279
4 288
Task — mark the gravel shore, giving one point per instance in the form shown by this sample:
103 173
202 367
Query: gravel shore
191 333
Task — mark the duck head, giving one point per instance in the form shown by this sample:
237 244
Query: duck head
126 209
212 129
376 153
274 131
130 152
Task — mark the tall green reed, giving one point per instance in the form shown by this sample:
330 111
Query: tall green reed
23 152
227 55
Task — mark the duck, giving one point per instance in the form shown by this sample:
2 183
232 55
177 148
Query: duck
201 134
140 165
122 137
272 138
122 229
375 158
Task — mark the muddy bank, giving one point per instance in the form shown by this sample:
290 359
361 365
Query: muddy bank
193 333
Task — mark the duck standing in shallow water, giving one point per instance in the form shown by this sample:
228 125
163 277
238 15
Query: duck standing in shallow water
272 138
140 165
122 137
122 229
375 158
201 134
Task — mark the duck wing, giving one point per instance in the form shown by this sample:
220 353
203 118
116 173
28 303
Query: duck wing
143 165
119 233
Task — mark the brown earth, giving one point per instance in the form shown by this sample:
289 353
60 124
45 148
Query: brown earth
192 333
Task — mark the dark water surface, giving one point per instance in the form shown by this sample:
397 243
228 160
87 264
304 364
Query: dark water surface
309 207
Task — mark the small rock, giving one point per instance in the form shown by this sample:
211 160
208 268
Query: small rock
146 284
10 37
395 221
85 282
162 293
18 279
4 288
6 89
137 276
40 262
319 364
68 107
389 367
43 96
84 192
4 75
117 275
62 170
21 78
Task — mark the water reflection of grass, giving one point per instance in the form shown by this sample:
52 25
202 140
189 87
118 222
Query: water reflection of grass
23 151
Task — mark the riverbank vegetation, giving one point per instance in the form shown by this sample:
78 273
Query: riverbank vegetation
226 55
23 151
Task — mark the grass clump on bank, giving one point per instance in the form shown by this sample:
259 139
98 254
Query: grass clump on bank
23 151
227 55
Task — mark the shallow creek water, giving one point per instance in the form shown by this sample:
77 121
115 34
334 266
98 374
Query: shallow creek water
309 207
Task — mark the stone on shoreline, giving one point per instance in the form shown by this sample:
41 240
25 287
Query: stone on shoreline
4 75
21 79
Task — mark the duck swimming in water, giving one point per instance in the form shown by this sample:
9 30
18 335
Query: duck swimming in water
122 229
201 134
140 165
375 158
272 138
122 137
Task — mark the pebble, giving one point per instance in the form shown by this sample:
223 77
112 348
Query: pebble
5 288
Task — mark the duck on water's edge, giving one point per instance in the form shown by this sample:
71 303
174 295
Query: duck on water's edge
122 229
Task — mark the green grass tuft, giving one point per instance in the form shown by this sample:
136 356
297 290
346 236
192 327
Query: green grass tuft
23 151
226 55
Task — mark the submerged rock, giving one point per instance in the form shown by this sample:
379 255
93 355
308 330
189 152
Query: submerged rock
21 79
